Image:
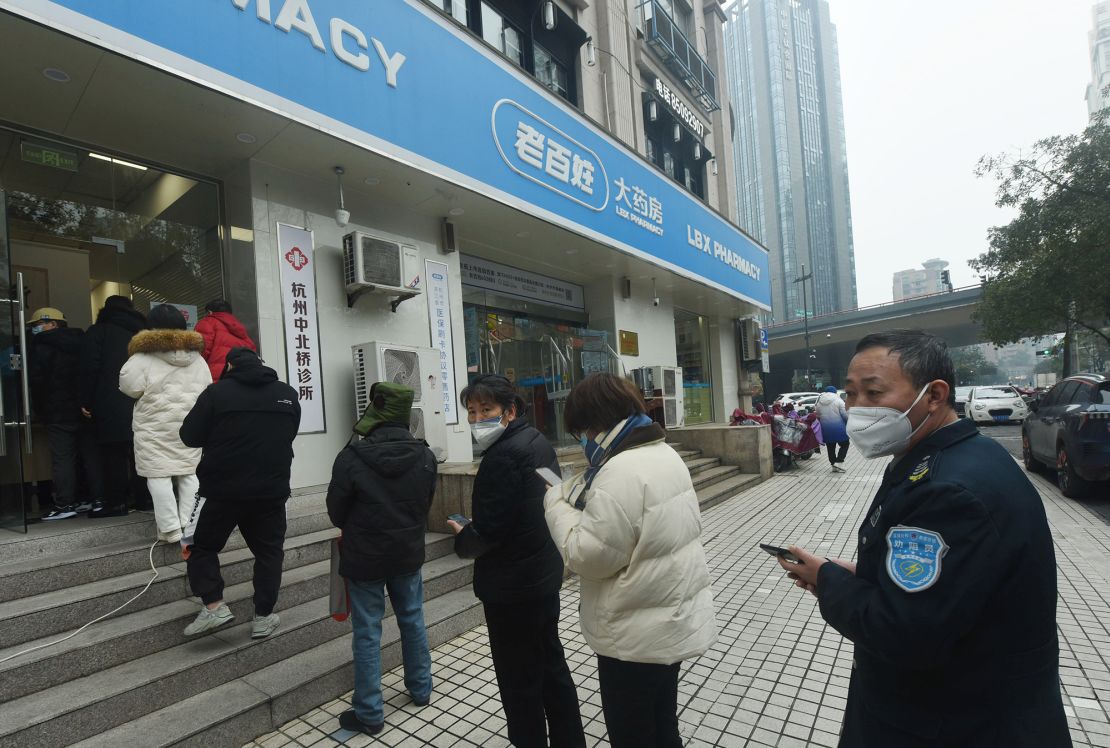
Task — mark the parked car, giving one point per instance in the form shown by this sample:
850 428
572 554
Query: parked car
961 400
793 397
996 404
1068 431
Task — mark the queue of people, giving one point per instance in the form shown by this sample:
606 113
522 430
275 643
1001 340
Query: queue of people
946 562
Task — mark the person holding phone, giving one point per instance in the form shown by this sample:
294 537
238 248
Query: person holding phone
631 528
517 570
951 603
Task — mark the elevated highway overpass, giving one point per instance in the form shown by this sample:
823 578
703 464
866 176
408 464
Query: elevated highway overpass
833 337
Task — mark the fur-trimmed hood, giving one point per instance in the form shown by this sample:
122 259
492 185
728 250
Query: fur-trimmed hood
178 347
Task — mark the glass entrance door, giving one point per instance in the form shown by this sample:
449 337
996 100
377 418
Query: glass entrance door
15 433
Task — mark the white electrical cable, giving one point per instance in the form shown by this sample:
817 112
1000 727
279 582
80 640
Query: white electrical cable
95 620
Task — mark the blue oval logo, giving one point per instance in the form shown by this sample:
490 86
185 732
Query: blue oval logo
438 276
544 154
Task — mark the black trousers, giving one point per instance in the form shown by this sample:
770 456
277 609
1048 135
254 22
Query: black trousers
115 465
640 703
835 455
71 443
537 691
262 523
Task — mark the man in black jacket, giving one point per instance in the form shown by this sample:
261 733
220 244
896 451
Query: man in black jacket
381 490
103 354
55 356
245 423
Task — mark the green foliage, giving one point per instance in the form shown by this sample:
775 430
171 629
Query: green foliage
972 366
1050 266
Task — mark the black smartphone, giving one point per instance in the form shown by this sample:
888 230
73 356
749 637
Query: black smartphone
462 520
774 550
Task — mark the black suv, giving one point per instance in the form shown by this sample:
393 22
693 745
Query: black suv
1069 430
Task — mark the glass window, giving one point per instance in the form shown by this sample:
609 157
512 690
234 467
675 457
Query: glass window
692 344
1103 394
503 37
454 8
1082 394
1063 397
549 72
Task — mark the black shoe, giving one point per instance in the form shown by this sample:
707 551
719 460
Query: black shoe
422 702
64 512
348 720
100 510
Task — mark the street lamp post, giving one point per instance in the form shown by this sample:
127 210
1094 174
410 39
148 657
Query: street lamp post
805 321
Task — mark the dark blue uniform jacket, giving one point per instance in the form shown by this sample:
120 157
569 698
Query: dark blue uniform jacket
970 656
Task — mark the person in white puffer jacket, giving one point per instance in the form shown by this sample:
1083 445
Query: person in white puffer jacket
630 527
165 374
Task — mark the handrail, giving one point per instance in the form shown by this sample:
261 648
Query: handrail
798 320
703 80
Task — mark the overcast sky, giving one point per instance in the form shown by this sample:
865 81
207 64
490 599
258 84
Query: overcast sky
928 89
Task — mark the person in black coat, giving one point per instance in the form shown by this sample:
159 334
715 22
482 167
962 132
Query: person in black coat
951 603
103 354
380 493
518 570
245 424
54 373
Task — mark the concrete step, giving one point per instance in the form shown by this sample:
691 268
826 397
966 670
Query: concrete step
700 464
83 707
708 477
61 610
715 493
132 635
65 569
234 712
49 539
578 463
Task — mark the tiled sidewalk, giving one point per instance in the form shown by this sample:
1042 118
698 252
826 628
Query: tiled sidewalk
777 675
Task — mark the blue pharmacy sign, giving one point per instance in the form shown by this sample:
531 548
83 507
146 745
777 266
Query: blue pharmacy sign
399 79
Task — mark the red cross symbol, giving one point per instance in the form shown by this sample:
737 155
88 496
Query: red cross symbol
296 258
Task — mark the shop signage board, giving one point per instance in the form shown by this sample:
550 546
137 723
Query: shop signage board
510 281
297 261
385 75
439 322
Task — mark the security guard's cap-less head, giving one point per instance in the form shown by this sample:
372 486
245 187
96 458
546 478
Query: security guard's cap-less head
908 372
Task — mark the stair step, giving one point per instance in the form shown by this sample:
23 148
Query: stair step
700 464
49 539
237 711
61 610
577 462
66 569
714 494
714 475
136 634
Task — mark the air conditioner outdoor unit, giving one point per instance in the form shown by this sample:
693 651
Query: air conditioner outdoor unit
413 367
371 263
664 382
748 332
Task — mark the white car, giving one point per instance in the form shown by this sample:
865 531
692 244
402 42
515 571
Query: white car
997 404
795 397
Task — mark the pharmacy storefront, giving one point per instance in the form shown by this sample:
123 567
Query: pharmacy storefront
377 191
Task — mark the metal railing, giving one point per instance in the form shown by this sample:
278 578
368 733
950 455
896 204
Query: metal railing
668 41
869 307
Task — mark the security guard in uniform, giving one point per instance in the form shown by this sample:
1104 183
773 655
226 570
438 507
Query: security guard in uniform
952 602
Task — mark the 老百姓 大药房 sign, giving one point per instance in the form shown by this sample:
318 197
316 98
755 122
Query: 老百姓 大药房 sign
302 334
382 75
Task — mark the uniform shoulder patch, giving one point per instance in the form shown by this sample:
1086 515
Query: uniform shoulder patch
913 557
921 470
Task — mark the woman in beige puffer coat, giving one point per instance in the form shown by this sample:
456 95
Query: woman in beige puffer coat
165 374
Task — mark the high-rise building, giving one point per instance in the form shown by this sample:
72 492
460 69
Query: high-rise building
1098 38
929 278
791 164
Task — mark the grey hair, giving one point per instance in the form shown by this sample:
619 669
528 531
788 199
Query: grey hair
923 356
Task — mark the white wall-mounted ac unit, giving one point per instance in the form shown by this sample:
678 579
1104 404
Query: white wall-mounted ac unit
413 367
371 263
748 332
664 382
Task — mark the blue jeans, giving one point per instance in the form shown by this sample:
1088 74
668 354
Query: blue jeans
406 593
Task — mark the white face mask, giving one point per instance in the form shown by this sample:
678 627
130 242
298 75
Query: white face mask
487 432
879 432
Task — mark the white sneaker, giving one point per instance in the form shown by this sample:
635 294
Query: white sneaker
207 620
263 626
838 469
83 506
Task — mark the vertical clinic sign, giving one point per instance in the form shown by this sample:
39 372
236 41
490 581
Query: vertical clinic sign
439 320
302 333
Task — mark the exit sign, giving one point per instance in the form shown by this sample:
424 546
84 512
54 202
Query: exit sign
48 155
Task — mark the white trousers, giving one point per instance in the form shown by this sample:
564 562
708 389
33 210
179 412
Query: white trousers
171 512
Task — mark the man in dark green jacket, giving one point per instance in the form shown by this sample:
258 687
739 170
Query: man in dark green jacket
380 493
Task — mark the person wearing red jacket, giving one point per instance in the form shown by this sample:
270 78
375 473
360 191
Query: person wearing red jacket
221 332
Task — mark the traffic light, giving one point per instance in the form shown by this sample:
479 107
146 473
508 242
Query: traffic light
1045 352
946 278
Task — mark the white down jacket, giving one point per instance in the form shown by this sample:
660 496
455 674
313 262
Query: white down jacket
637 548
165 375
